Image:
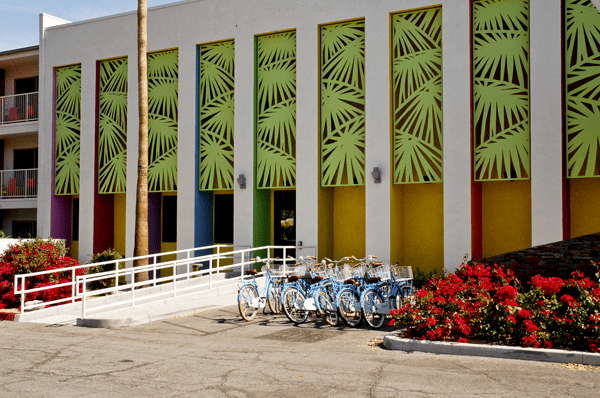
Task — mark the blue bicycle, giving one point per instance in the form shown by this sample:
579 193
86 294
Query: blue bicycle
386 288
250 299
306 292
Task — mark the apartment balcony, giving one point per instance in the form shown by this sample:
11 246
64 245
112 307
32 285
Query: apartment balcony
18 188
19 108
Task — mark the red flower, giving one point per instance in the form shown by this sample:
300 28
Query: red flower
547 285
529 326
421 293
512 319
462 340
567 299
531 341
510 303
525 313
547 344
506 292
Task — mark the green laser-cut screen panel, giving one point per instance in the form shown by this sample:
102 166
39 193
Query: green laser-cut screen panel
276 110
216 102
342 68
417 96
163 78
112 126
67 131
501 90
582 88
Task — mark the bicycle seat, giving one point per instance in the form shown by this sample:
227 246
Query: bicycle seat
377 263
251 272
316 279
351 281
293 278
373 279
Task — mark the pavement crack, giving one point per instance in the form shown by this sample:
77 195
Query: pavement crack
378 377
106 373
185 327
56 354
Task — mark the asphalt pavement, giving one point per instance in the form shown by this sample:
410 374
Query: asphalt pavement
217 354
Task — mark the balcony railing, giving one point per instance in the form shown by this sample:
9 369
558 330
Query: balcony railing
19 108
15 184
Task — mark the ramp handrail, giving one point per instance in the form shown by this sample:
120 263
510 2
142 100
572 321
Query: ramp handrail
20 280
242 259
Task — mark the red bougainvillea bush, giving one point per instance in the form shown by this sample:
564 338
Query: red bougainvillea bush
33 256
489 304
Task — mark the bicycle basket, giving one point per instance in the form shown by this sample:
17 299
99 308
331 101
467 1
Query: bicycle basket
382 272
297 270
402 273
338 274
354 272
280 270
319 270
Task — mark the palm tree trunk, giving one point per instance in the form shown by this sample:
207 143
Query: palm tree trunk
141 204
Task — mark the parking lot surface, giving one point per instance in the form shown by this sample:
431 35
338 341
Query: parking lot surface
217 354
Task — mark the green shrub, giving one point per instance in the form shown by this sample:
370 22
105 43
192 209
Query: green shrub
107 255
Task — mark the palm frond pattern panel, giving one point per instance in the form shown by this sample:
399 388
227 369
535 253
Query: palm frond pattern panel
163 79
417 95
112 126
582 70
501 89
342 103
276 110
216 90
67 130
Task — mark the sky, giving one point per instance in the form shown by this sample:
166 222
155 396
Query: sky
19 19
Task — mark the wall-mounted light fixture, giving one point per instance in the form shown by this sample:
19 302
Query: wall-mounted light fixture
242 181
376 173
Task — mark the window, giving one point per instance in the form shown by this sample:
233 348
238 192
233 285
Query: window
24 229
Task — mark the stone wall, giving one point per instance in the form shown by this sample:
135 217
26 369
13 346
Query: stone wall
554 259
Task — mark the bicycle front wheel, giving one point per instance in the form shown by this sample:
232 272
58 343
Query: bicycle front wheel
370 301
406 295
292 302
245 297
275 297
327 306
349 308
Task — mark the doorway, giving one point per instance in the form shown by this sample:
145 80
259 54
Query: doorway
26 85
284 221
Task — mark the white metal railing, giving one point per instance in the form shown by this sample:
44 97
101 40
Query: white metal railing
18 183
242 259
19 108
71 272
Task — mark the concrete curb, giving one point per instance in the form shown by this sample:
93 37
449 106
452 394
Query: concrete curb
142 319
394 342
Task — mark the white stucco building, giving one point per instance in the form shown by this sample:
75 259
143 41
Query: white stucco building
456 105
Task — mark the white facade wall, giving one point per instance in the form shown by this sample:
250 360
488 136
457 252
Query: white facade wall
546 121
185 25
456 58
